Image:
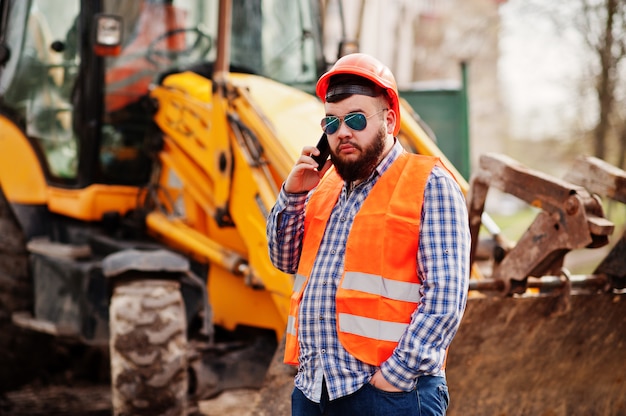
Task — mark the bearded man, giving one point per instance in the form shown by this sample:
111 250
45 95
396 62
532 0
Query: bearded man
378 239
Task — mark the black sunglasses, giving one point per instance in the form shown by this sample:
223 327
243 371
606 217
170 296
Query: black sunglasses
356 121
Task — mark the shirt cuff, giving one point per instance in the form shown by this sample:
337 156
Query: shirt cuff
291 203
397 374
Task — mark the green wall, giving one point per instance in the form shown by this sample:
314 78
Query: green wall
446 113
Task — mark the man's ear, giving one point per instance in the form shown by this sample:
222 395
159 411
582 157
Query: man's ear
391 120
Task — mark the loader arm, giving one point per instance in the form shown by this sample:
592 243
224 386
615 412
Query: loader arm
607 181
196 139
570 218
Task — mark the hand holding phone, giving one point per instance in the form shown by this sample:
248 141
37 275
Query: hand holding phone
324 149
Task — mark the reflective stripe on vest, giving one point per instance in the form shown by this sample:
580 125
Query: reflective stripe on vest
378 285
371 328
298 284
291 320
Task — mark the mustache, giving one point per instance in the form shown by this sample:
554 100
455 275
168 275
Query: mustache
351 143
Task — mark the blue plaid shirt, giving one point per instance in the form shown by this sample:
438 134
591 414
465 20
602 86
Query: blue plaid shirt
443 265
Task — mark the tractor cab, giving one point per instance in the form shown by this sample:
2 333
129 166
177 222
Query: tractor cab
76 78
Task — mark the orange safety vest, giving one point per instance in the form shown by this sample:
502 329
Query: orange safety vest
380 288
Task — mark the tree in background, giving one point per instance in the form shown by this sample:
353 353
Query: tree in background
603 25
599 28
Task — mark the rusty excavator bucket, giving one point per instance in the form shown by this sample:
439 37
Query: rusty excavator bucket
536 339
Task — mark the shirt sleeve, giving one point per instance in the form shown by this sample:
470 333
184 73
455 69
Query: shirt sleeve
443 265
284 229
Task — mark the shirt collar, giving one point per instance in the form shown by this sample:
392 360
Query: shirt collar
391 157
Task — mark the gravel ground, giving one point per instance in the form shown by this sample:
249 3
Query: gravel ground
95 400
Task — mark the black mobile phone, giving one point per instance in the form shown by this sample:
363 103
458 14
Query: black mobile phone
324 149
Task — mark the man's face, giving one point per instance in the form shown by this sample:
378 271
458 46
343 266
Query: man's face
356 154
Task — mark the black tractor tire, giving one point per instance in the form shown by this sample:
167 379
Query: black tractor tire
15 282
148 348
18 359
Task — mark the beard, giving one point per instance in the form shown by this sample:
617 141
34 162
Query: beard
362 168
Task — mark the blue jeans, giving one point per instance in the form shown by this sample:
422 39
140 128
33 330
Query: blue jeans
430 398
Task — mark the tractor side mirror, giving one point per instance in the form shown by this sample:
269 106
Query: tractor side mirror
108 34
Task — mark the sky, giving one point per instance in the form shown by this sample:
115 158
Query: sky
540 70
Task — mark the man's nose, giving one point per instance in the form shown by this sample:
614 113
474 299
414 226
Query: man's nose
344 130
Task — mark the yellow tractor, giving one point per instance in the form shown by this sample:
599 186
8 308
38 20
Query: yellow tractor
142 144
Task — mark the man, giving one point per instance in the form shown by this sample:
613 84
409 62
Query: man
379 241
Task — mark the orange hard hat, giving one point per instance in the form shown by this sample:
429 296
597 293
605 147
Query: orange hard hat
368 67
